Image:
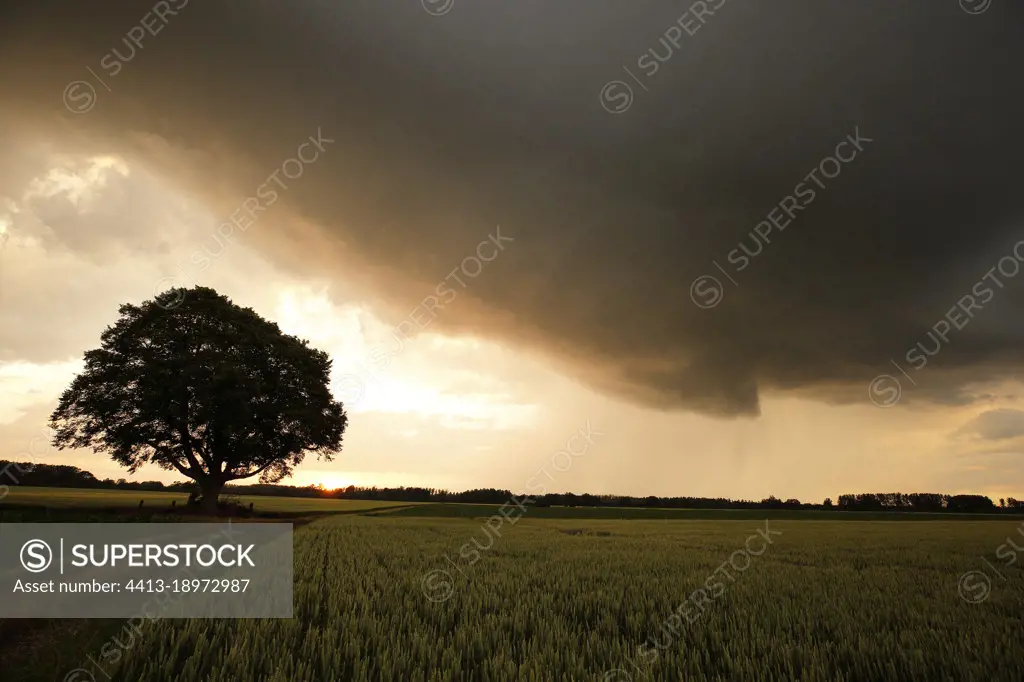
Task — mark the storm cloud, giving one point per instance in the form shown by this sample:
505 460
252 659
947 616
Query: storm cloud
996 425
625 188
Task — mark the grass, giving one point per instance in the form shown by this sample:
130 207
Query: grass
429 593
390 596
444 510
376 598
63 498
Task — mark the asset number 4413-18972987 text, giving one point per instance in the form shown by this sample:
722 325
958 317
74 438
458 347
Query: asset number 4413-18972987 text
188 585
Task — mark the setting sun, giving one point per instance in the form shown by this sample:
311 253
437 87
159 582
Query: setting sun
330 482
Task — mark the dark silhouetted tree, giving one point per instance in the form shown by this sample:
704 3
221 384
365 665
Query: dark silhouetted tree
193 383
970 503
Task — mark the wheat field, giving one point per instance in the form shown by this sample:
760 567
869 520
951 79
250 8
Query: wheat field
379 598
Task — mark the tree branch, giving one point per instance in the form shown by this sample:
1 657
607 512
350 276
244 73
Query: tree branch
232 476
185 472
195 472
186 448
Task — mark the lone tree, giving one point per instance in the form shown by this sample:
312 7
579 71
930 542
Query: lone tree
194 383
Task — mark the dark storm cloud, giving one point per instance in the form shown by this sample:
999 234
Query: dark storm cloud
446 126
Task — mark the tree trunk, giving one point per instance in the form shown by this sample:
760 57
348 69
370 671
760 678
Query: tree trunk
211 491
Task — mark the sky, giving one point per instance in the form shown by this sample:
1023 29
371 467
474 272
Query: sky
750 249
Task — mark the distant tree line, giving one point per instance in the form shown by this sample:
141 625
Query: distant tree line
65 476
925 502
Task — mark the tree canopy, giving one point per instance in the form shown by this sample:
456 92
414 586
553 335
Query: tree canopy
191 382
